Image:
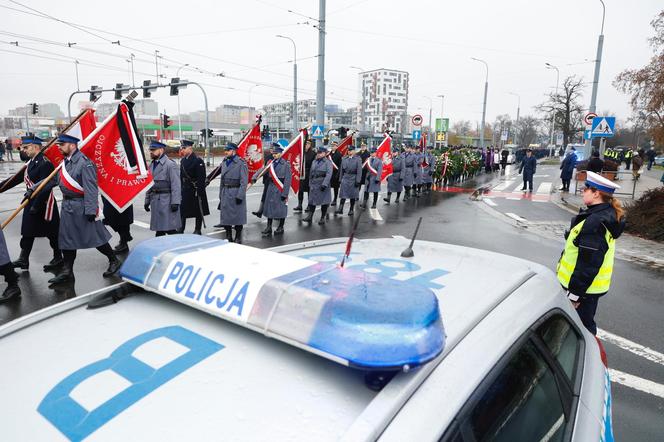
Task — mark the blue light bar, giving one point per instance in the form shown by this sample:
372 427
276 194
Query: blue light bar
353 317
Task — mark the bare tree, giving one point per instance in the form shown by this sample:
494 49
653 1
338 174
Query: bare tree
566 108
502 122
528 129
462 128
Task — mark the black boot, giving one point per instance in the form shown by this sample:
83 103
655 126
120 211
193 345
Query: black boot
351 212
387 199
297 209
12 291
310 215
340 209
122 247
238 235
280 228
114 265
398 197
268 229
229 233
258 213
22 262
55 263
66 275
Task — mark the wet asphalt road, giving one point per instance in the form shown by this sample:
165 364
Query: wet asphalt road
632 310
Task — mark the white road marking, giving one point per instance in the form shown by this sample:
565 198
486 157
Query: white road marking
489 202
540 176
636 383
142 224
516 217
504 185
375 215
513 199
545 188
630 346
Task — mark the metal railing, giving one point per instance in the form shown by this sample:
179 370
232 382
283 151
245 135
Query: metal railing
615 178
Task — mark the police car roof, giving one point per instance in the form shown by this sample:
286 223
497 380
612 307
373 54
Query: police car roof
244 386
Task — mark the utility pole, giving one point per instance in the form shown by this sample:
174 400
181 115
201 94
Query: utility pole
133 80
518 110
442 116
78 86
320 85
598 62
553 116
486 89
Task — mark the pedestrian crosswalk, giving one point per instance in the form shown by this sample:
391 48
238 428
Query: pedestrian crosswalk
511 189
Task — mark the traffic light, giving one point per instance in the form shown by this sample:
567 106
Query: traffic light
266 132
120 89
209 133
343 132
175 90
166 120
35 108
202 133
148 87
95 93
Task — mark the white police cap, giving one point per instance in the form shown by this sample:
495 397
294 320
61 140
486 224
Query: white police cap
600 183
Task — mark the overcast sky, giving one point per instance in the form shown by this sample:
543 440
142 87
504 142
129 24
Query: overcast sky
432 40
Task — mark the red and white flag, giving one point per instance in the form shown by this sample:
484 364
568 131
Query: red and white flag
83 127
294 153
343 146
275 179
251 149
384 152
117 153
423 145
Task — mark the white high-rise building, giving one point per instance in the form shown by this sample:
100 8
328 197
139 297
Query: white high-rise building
385 96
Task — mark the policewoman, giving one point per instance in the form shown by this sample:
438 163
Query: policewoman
395 181
374 173
350 180
40 216
320 192
80 226
276 195
164 197
194 197
234 177
586 264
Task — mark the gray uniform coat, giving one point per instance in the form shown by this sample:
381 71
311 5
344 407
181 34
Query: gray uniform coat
274 205
395 181
373 181
76 232
409 164
234 177
320 176
351 177
165 191
427 171
4 253
417 176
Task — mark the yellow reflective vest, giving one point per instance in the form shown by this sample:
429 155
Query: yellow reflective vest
569 261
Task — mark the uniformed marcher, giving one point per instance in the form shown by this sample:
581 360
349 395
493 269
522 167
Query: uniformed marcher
364 155
80 227
409 159
417 176
12 291
320 193
164 197
586 264
233 193
309 156
40 217
120 222
276 196
350 180
267 158
194 197
372 184
428 166
336 157
395 181
528 167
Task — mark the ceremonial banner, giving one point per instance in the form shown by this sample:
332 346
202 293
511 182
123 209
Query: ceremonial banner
294 153
384 152
250 148
81 129
117 153
343 146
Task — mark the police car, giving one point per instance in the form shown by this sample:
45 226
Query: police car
209 340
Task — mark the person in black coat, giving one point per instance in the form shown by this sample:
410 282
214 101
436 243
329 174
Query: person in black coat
120 222
336 158
364 155
309 156
528 167
595 164
192 176
40 217
267 158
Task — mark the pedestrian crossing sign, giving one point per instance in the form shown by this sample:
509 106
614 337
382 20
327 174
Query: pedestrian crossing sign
318 131
603 127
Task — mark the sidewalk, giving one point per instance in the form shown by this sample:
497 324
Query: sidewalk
630 247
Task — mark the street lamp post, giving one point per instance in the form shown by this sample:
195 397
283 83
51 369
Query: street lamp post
598 62
442 106
177 74
430 112
553 116
486 89
518 111
363 104
320 84
295 122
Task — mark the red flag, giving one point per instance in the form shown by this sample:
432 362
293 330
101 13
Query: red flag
294 153
343 146
423 145
116 152
251 149
83 127
384 152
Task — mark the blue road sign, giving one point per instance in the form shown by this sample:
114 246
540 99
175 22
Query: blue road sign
586 134
603 127
417 134
318 131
